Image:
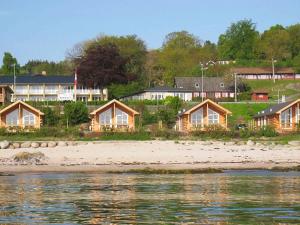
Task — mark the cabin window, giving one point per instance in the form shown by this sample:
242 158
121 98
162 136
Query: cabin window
222 85
286 118
197 118
213 117
28 118
12 118
197 85
106 118
122 117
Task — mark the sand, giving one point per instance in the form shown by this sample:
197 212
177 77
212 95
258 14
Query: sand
116 155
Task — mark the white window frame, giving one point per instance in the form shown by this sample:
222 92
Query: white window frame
213 117
286 118
12 118
105 118
28 118
121 118
197 118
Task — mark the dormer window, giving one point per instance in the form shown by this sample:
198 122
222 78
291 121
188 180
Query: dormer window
222 85
197 85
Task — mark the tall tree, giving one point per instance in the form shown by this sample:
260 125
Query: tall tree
179 54
239 41
9 64
294 34
52 68
275 43
102 66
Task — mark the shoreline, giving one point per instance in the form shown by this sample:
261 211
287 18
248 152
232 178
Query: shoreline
126 168
170 155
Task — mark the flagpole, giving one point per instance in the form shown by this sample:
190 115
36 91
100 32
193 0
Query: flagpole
75 85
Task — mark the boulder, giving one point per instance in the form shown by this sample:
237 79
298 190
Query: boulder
26 144
62 144
71 143
4 144
35 145
294 143
44 145
250 143
11 146
16 145
51 144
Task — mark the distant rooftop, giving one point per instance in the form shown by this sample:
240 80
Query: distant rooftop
262 70
37 79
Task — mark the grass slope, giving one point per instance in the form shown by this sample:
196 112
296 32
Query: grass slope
285 87
243 112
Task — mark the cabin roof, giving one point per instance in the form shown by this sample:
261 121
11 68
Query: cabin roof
117 102
203 103
22 103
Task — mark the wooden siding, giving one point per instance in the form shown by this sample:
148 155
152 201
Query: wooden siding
274 121
96 126
185 119
21 107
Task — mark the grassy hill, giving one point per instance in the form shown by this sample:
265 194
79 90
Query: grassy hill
243 112
289 88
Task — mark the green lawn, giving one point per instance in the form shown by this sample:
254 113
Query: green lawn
285 87
243 112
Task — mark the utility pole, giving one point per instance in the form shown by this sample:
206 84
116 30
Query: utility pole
235 88
273 70
202 72
14 99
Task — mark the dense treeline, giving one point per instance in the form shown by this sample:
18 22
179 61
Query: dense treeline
125 64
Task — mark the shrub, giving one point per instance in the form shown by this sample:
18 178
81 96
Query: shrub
267 131
75 113
50 118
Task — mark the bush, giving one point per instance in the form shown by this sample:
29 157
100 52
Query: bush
50 118
75 113
267 131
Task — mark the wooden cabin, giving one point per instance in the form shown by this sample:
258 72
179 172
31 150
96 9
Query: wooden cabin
260 96
284 117
5 94
20 115
204 114
114 115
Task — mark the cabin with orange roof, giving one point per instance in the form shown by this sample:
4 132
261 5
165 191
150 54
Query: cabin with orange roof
202 115
20 115
115 116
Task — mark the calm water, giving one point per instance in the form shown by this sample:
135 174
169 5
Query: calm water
248 197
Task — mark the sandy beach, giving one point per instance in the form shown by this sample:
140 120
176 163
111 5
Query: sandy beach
119 155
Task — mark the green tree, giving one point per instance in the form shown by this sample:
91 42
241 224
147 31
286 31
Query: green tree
180 53
76 113
239 41
275 43
52 68
50 118
8 64
294 42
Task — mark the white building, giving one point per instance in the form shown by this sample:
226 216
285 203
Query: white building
160 93
50 88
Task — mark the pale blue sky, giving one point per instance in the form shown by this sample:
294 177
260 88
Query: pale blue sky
45 29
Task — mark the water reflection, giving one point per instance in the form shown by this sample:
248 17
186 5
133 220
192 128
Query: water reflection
250 197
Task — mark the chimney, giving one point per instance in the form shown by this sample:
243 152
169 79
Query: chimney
44 73
283 98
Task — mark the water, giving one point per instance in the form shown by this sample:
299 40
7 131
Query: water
234 197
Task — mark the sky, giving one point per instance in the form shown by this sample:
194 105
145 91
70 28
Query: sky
35 29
